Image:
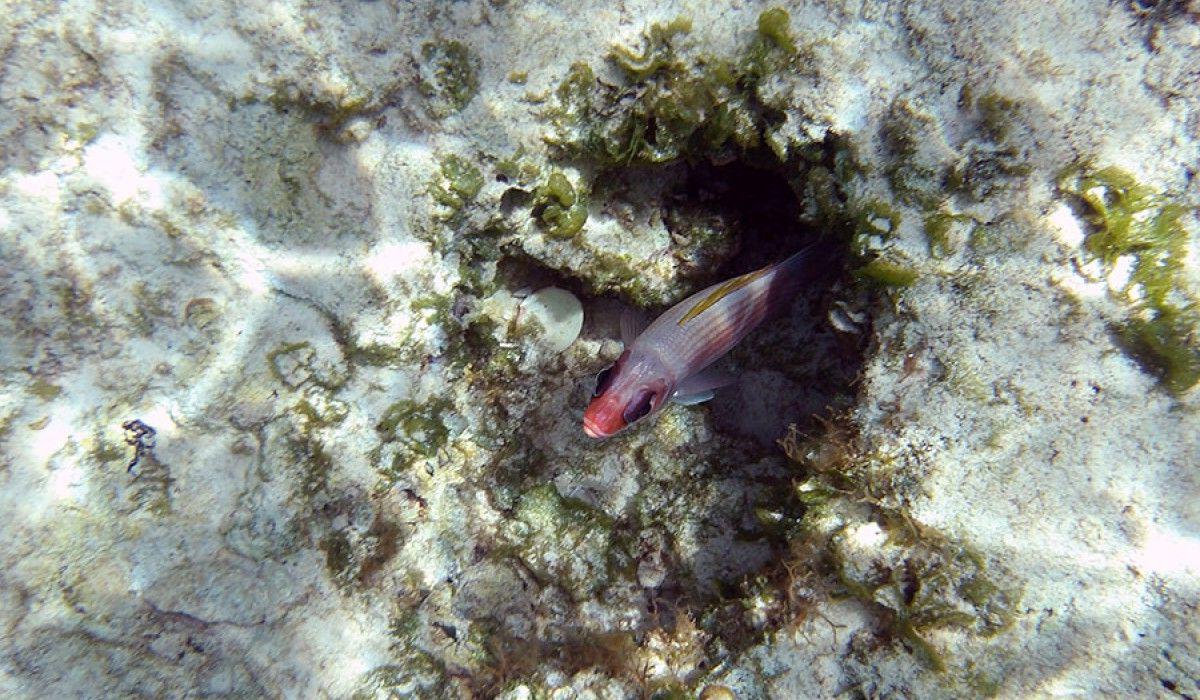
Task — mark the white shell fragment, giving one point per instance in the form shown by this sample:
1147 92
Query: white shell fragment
845 319
559 313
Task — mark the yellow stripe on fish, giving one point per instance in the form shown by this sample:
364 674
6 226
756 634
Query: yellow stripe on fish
721 292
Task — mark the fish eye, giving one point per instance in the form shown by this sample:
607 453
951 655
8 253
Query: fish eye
639 407
603 380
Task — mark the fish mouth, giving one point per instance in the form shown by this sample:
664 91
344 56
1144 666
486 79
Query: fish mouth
592 430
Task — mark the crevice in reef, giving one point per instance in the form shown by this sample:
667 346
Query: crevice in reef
794 367
758 206
660 526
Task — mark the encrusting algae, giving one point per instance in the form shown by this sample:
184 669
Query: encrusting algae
1131 221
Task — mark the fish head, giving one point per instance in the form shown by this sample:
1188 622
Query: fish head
626 392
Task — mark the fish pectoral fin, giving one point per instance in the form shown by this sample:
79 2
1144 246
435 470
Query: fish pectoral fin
632 325
701 386
692 399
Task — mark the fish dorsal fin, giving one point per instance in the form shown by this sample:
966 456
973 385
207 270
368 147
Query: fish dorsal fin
632 325
721 291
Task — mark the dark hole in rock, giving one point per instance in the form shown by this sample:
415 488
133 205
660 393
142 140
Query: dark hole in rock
759 208
794 367
514 199
729 219
521 275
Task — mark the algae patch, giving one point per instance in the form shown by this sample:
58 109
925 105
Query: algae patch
674 120
565 541
1130 221
849 522
457 184
298 363
874 225
418 675
411 432
669 107
559 207
449 79
925 580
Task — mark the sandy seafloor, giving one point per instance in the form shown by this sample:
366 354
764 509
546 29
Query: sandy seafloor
368 479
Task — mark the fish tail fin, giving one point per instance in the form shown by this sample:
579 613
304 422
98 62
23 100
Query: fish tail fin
812 260
811 264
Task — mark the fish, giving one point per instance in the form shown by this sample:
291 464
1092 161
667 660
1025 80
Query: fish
668 361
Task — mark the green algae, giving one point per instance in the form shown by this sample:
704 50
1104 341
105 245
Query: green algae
704 238
1131 219
353 557
558 207
1166 341
939 229
457 183
873 226
286 358
905 128
984 171
962 377
329 108
200 313
404 626
673 102
439 310
887 273
75 300
1005 236
318 410
775 24
1128 219
297 364
105 451
44 390
996 115
928 582
449 76
656 54
670 107
915 173
988 164
518 169
312 461
151 490
418 425
574 95
149 307
410 432
619 271
925 171
565 541
418 674
380 354
853 528
339 557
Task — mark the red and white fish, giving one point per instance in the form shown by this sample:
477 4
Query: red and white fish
666 362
